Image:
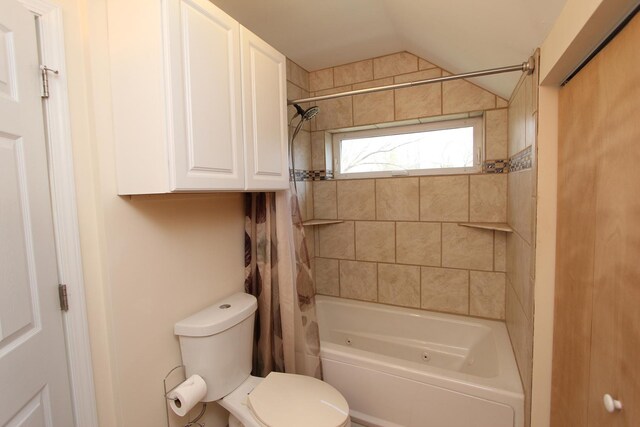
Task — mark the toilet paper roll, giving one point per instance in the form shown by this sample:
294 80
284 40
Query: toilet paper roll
186 395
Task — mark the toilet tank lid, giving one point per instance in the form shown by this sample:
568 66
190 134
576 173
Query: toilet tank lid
220 316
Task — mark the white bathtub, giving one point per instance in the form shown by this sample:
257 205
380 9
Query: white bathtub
404 367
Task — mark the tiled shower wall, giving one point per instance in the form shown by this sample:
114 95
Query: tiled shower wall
298 87
521 216
400 242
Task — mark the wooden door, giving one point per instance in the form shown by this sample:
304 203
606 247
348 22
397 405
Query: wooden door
264 89
597 312
33 364
206 145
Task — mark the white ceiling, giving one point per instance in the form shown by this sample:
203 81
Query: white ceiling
457 35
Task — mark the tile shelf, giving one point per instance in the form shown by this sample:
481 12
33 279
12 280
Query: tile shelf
497 226
321 221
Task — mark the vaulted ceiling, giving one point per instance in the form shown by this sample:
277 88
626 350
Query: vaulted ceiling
457 35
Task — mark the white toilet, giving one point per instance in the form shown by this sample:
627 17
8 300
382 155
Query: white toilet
216 343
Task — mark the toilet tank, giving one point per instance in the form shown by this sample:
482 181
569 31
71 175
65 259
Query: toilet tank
217 343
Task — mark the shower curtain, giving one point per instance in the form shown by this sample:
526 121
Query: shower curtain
278 274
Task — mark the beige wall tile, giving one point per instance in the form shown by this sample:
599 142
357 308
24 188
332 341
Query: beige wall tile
321 79
519 209
445 290
517 122
309 201
356 199
318 161
392 65
334 113
486 294
325 200
424 65
419 101
418 243
397 199
337 240
501 103
359 280
316 240
500 251
488 198
302 150
418 75
375 107
444 198
353 73
327 276
298 75
496 134
531 124
375 241
521 334
399 285
460 95
302 201
518 271
293 92
532 270
464 247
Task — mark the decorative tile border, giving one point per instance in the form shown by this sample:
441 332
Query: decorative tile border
311 175
496 166
521 161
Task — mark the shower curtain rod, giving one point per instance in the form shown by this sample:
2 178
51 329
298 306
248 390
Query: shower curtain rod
528 67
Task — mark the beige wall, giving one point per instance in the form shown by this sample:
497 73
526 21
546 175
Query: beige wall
148 261
400 243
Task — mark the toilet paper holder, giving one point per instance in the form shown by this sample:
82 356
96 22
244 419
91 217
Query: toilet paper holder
193 422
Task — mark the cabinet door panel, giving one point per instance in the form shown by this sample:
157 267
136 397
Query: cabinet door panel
265 128
206 97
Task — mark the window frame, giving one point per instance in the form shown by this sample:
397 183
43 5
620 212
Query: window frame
478 144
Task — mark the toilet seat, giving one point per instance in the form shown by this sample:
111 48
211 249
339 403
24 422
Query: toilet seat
283 400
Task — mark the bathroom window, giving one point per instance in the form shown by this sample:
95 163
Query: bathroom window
445 147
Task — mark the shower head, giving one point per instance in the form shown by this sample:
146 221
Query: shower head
307 114
310 113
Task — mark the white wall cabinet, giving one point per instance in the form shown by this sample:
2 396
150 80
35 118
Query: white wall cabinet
199 102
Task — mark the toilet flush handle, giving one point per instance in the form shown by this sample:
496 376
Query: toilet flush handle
611 404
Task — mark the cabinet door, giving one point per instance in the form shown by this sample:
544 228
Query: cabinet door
205 135
265 114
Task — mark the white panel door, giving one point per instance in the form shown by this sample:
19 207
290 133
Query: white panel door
33 367
206 142
264 83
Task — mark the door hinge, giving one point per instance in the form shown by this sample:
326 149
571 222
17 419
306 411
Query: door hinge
44 70
64 301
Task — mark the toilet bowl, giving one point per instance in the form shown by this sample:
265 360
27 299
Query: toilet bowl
216 343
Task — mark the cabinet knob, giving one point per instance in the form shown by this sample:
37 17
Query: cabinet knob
611 404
